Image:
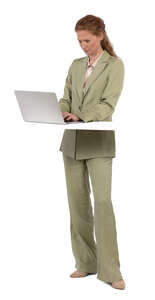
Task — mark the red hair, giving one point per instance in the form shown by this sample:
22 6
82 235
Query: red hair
96 25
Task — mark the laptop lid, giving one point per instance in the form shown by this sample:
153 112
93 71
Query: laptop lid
41 107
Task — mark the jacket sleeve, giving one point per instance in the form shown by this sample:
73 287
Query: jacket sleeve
106 104
65 102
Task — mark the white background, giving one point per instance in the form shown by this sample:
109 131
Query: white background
38 44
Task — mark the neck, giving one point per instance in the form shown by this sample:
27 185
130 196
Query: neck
94 56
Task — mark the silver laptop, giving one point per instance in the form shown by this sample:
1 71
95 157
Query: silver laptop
41 107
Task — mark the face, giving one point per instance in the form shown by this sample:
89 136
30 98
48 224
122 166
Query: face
89 42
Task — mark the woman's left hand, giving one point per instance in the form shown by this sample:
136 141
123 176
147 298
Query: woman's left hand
73 117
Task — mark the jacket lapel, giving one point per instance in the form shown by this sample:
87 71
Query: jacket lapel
93 76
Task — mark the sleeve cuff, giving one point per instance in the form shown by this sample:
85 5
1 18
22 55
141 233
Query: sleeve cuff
63 107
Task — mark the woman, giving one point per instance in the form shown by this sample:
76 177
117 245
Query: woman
93 86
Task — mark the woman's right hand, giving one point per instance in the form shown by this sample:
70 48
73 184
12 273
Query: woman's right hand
65 114
70 117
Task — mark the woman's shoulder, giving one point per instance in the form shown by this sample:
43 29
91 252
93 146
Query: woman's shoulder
77 62
80 59
113 59
115 63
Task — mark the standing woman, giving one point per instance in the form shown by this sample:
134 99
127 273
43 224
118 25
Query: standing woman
93 86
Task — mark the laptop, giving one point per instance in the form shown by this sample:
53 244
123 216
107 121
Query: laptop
40 107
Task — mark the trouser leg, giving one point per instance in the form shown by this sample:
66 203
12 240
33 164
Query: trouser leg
108 265
81 215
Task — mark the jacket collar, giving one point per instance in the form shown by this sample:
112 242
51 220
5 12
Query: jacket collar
95 62
103 57
101 63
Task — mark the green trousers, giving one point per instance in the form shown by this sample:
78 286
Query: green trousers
102 256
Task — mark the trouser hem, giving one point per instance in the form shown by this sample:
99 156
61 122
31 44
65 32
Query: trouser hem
86 269
110 280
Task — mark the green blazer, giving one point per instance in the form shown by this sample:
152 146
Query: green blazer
96 102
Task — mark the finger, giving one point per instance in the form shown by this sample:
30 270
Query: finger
66 114
69 118
66 117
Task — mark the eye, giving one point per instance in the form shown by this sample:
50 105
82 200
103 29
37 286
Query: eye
87 41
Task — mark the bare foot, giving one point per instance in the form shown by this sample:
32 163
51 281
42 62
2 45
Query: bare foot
77 274
118 284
